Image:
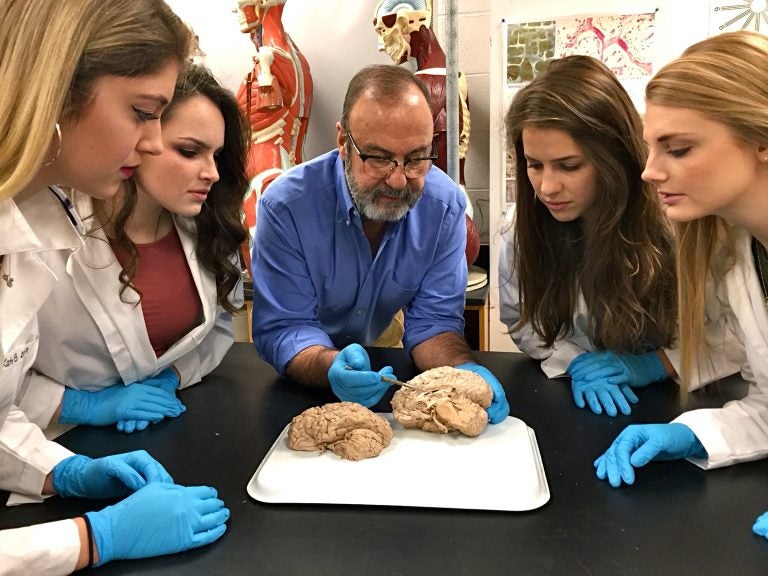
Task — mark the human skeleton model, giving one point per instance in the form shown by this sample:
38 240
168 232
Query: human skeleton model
276 98
404 32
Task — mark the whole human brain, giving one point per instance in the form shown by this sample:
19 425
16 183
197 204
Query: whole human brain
448 399
347 429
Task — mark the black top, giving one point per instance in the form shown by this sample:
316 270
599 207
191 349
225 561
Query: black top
676 520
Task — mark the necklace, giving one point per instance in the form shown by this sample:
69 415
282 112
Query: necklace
7 277
761 263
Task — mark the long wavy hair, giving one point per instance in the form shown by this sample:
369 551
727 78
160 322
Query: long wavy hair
725 78
622 258
219 228
51 54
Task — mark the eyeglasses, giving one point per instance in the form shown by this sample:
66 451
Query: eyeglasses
383 167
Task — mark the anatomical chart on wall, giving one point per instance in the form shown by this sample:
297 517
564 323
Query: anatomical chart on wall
623 42
729 16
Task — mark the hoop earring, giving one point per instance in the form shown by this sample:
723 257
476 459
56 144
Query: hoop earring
58 150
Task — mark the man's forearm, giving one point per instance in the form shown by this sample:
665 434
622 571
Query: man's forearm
446 349
310 366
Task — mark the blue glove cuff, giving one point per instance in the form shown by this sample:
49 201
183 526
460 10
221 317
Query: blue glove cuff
654 366
101 528
471 366
75 405
65 475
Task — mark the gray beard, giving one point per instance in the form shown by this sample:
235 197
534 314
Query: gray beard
365 199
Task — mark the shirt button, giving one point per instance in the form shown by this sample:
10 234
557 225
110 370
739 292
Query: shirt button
359 312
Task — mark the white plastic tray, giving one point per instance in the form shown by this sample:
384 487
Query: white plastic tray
499 470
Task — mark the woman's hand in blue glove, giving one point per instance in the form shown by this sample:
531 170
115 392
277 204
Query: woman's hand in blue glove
499 408
118 403
602 380
639 444
352 379
158 519
635 370
760 527
598 394
107 477
167 380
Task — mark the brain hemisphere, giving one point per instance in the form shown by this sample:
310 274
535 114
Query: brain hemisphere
449 399
349 430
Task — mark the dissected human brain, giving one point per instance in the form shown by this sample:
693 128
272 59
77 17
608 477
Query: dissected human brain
349 430
449 399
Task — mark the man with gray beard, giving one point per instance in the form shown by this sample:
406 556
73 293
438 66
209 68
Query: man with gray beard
347 240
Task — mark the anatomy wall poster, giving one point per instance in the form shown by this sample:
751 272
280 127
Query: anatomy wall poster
623 42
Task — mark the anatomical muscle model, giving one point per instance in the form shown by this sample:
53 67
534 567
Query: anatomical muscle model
276 98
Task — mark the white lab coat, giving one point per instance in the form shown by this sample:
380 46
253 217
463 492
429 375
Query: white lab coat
737 327
556 359
90 339
26 457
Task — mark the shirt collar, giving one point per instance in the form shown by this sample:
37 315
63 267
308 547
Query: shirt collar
40 214
344 197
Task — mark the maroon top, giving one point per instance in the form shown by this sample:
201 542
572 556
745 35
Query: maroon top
169 302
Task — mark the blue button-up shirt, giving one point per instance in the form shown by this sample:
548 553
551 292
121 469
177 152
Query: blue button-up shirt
316 283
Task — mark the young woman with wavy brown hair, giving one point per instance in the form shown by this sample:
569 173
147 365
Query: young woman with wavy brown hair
586 270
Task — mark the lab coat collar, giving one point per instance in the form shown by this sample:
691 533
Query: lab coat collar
95 272
33 225
41 212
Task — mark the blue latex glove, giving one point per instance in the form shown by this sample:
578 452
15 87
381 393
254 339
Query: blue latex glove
499 408
598 394
107 477
352 379
158 519
760 527
167 380
634 370
115 403
639 444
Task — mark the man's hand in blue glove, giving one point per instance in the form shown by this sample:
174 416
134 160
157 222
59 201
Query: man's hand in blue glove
639 444
107 477
602 380
167 380
499 408
760 527
352 379
117 402
158 519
